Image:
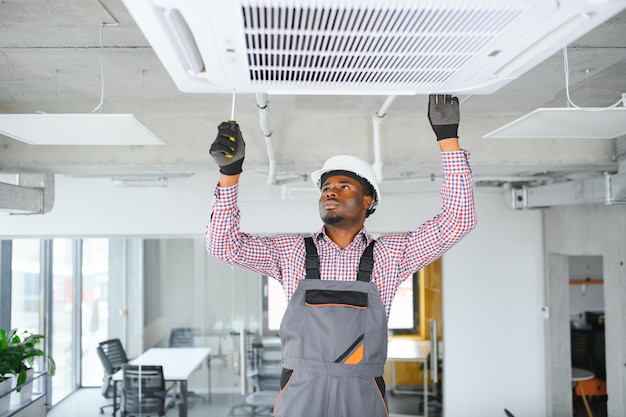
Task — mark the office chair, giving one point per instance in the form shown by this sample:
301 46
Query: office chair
183 336
263 366
186 337
112 356
143 392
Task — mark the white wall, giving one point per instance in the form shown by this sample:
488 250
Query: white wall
493 328
492 298
97 207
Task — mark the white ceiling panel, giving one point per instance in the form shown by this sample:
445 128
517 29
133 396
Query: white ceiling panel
565 123
77 129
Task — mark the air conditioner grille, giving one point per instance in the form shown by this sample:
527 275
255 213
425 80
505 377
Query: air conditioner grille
375 45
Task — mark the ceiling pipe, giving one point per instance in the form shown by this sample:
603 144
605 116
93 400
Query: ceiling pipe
609 189
264 120
33 194
376 119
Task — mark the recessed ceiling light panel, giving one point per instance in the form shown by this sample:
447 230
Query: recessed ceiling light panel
565 123
77 129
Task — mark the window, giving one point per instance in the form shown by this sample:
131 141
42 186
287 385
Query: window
63 331
26 285
403 317
94 308
274 305
64 281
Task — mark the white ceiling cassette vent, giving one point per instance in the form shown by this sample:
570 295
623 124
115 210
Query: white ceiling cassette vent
359 46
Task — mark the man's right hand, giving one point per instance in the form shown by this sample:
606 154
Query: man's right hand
444 115
229 148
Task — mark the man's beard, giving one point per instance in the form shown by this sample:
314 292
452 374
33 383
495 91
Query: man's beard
331 219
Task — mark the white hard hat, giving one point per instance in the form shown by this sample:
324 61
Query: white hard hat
351 164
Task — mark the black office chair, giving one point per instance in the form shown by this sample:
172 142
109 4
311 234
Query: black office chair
112 356
183 337
143 392
263 367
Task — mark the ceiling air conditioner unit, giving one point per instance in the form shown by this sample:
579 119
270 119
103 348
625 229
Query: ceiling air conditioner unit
359 46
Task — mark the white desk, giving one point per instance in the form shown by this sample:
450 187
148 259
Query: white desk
407 350
178 364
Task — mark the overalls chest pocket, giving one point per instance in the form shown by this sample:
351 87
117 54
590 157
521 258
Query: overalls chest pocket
334 325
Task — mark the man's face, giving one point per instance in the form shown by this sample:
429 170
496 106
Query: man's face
343 201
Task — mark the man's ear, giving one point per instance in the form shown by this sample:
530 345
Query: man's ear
368 201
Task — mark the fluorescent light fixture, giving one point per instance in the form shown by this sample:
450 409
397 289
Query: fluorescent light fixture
565 123
77 129
141 182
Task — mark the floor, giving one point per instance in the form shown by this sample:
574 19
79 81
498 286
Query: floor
86 402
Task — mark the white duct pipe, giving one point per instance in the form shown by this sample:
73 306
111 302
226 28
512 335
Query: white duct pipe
264 121
376 119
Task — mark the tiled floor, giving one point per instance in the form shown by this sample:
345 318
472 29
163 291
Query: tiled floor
87 401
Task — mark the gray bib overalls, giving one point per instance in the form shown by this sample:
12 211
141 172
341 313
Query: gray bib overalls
334 342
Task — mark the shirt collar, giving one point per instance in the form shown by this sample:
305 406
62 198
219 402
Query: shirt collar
362 235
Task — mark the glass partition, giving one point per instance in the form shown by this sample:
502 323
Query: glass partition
186 288
80 292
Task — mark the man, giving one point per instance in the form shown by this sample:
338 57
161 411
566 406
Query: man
340 283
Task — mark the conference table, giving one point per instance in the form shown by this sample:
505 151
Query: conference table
409 350
178 365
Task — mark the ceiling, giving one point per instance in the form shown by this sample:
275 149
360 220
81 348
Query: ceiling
51 61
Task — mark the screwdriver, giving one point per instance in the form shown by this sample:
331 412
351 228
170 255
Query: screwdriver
232 122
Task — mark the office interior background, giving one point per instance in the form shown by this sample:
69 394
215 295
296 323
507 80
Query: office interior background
113 259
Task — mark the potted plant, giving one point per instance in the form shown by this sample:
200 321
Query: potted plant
5 397
17 355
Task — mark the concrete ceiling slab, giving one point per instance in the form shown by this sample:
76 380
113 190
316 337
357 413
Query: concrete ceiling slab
51 61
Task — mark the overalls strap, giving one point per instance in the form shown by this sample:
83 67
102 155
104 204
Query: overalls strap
313 266
312 260
367 263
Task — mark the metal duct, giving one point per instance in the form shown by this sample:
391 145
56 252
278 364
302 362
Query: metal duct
33 194
608 189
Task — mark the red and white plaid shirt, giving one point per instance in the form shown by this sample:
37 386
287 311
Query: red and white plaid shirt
397 256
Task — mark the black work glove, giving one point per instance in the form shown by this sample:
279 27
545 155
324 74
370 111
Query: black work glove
229 149
444 115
